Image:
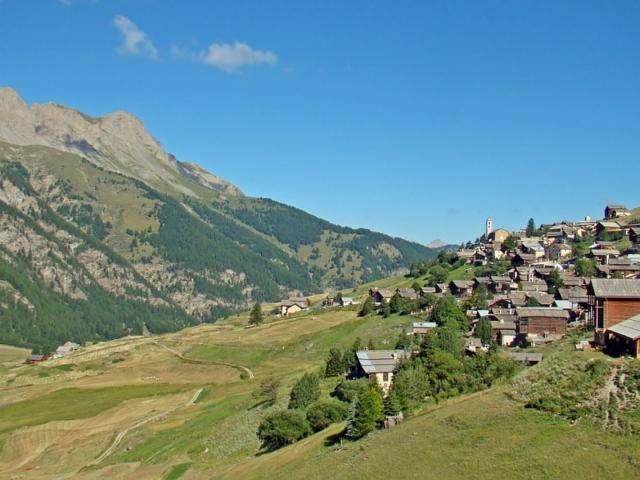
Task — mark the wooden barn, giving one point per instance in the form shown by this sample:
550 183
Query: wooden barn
541 321
612 301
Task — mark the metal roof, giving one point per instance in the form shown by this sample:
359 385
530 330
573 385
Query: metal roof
380 361
629 328
541 312
616 288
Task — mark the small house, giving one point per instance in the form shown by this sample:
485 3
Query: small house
380 365
406 293
616 211
293 305
559 251
461 288
35 358
602 256
422 328
346 301
380 295
503 330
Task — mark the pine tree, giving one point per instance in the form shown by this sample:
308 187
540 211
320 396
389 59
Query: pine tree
483 330
386 310
368 411
335 364
396 304
531 228
256 317
392 403
367 307
305 391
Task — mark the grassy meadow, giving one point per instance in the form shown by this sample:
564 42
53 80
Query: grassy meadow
181 410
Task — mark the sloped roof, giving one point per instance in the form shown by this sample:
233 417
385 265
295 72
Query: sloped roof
629 328
563 304
541 312
462 283
615 288
380 361
600 252
503 325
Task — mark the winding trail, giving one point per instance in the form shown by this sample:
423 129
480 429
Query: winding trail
120 436
202 362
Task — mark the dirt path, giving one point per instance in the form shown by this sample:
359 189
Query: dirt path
202 362
120 436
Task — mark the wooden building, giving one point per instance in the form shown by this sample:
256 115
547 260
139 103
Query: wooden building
612 301
541 321
625 336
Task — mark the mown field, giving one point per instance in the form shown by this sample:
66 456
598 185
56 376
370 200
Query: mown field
183 406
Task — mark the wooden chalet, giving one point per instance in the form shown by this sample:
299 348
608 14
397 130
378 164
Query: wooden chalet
603 256
522 259
461 288
406 293
542 321
500 284
612 301
503 329
380 295
424 291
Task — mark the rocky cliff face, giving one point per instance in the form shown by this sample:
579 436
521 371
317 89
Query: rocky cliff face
117 142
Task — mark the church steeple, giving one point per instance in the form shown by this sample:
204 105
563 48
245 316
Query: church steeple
488 226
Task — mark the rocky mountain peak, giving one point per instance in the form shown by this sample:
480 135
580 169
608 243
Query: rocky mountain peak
118 142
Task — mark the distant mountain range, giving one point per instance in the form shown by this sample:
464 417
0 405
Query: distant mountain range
103 233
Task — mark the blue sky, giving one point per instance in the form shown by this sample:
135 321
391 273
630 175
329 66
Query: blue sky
414 118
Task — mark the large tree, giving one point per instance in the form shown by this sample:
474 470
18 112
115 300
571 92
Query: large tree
554 281
256 317
531 228
367 307
335 364
368 411
447 309
483 330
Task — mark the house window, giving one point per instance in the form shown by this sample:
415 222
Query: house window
385 377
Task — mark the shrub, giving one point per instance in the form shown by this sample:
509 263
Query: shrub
283 428
349 389
322 414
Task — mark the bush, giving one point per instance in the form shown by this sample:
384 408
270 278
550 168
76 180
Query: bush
349 389
283 428
322 414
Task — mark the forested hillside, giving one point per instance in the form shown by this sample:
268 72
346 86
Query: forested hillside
88 254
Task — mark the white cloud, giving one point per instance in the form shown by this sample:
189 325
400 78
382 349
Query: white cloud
134 40
228 57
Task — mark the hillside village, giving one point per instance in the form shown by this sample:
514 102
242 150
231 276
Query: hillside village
521 317
501 297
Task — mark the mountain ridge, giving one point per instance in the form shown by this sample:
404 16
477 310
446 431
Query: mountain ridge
185 249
